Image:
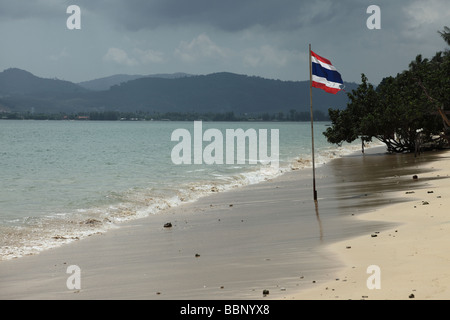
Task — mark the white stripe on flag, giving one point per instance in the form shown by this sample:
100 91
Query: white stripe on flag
329 84
323 64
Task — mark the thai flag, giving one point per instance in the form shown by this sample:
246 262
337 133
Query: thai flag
324 74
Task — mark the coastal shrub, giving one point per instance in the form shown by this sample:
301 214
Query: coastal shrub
406 112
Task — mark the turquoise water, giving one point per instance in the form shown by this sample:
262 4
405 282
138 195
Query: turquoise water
65 180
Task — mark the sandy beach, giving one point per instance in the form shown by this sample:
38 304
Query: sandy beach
270 236
413 257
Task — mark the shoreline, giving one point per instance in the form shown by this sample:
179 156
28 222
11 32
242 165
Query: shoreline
60 235
247 240
409 261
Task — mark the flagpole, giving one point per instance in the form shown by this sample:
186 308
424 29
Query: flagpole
312 126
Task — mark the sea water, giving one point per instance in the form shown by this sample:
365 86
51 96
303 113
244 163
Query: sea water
62 181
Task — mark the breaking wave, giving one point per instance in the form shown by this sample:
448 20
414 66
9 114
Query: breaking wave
32 235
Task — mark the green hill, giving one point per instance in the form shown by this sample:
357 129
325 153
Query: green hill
20 91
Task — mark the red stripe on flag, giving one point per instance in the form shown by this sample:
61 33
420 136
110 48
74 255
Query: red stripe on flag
321 58
324 87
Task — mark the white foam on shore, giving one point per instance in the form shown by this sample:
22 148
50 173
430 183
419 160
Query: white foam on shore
325 155
34 236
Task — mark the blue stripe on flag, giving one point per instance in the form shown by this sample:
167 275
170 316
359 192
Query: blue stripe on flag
330 75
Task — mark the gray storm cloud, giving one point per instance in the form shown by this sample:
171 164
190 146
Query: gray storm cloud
258 37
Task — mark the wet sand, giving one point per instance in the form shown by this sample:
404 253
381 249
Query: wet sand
231 245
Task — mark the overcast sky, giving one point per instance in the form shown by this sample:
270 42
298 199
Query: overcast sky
267 38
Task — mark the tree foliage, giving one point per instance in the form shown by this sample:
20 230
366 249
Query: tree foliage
445 34
402 111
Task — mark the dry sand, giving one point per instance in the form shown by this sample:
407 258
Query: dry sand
413 257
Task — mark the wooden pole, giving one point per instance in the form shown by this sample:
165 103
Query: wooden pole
312 125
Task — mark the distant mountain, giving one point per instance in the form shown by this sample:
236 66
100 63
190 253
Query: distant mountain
105 83
221 92
15 81
21 91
